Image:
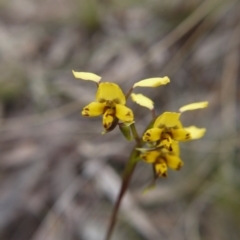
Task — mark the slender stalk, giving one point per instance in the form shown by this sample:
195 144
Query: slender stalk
127 175
124 187
128 93
135 134
153 114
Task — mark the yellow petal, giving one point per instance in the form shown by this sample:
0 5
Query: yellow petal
161 168
150 157
180 134
110 92
142 100
152 82
108 118
87 76
174 162
193 106
195 133
152 135
124 113
93 109
166 143
169 147
168 119
175 148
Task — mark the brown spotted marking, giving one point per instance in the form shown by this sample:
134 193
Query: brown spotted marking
179 166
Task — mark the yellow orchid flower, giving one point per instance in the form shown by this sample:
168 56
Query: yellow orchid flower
163 159
168 127
110 102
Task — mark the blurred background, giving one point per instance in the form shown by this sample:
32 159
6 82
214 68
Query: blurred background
59 176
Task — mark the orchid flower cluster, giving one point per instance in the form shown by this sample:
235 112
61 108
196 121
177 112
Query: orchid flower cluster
159 144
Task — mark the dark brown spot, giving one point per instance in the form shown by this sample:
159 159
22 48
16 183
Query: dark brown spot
179 166
164 174
148 134
107 125
187 136
170 134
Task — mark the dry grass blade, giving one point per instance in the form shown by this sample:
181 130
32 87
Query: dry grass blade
184 27
201 31
229 98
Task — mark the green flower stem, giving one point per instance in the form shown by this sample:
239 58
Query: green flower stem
128 172
135 134
127 175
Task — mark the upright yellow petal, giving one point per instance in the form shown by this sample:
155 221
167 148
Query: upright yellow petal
108 91
152 135
168 119
150 157
161 168
152 82
124 113
193 106
93 109
142 100
180 134
174 162
195 133
108 118
87 76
